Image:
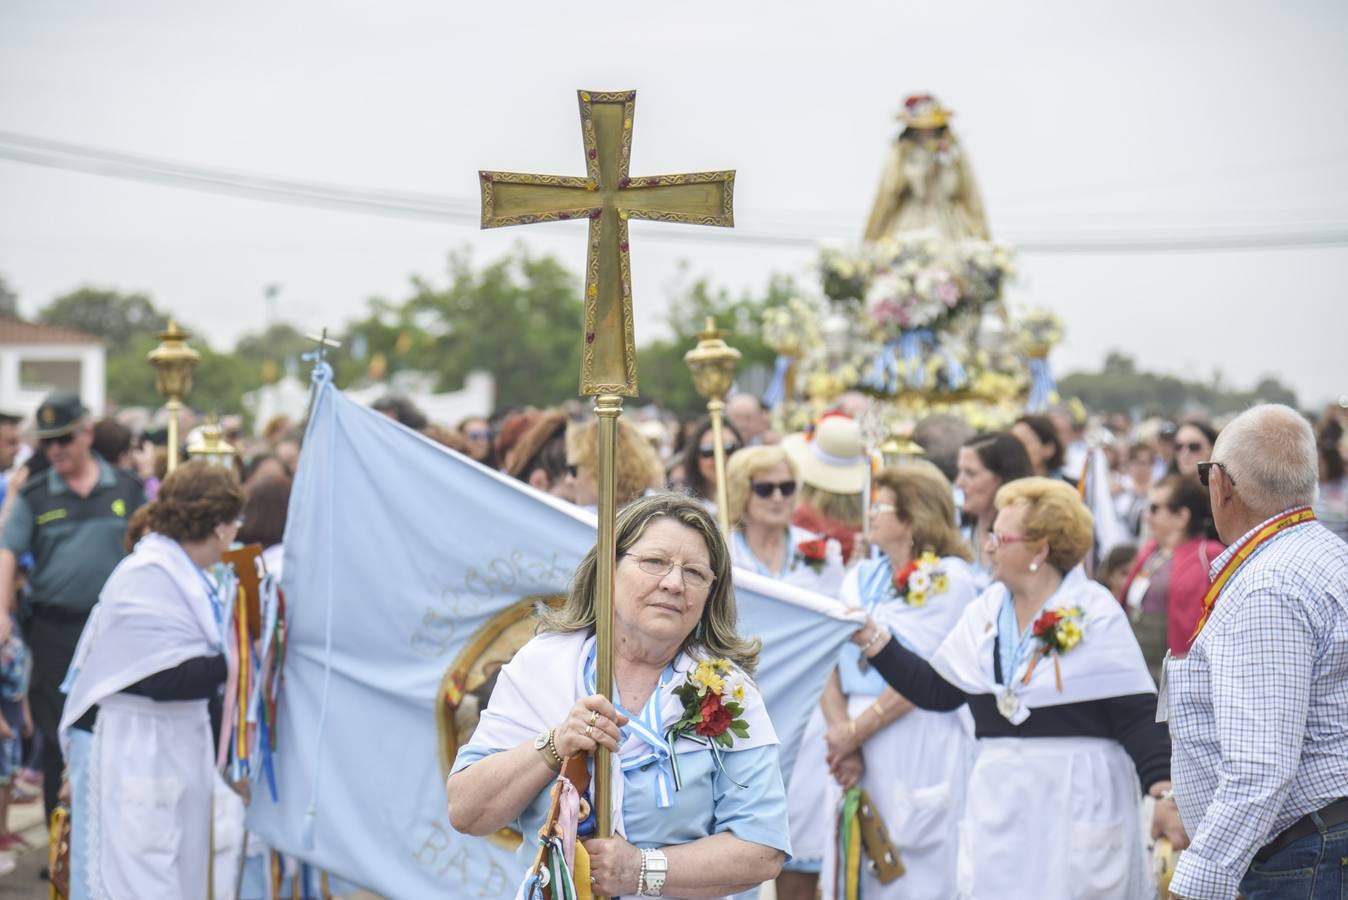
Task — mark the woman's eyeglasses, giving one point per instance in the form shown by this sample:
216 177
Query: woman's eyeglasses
1192 446
1001 540
766 489
478 435
693 576
879 509
709 452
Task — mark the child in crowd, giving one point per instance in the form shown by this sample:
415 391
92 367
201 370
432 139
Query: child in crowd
15 718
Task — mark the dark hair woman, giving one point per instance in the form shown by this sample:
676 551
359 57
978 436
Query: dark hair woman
150 660
1194 441
986 462
699 463
1164 590
1042 444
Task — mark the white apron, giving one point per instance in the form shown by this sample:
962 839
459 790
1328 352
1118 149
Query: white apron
1053 817
151 780
916 766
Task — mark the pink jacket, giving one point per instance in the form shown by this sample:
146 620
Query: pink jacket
1188 584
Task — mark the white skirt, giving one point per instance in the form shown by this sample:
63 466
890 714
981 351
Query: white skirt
916 769
151 780
1053 817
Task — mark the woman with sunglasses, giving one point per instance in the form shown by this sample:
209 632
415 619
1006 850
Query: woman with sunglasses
699 460
1164 590
1064 714
1193 444
762 491
911 762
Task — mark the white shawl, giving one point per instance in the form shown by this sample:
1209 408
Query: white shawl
154 613
533 694
1106 663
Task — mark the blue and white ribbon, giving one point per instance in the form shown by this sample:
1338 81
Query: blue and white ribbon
1043 388
776 392
649 727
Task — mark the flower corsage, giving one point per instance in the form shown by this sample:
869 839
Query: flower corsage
921 579
814 553
1057 631
712 711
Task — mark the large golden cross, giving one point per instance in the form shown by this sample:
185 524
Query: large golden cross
608 197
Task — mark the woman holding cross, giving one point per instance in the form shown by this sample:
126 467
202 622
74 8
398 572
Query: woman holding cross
699 809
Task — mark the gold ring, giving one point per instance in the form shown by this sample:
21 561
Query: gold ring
589 729
594 716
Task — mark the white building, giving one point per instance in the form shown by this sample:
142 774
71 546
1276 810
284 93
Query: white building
37 359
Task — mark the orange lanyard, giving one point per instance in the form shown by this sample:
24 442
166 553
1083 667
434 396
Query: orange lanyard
1286 520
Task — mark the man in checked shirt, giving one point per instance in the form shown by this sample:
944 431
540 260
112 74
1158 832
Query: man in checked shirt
1258 709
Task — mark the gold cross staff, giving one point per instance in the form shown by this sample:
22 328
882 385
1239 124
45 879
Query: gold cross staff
607 196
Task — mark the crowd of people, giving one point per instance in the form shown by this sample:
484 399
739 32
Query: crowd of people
972 565
987 750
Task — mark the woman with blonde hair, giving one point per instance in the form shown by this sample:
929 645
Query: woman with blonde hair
762 492
834 469
691 818
1064 713
917 590
637 468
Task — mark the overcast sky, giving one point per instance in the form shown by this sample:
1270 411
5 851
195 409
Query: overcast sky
1145 118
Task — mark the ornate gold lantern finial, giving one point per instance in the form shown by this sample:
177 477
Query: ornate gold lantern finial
712 364
900 448
173 362
210 445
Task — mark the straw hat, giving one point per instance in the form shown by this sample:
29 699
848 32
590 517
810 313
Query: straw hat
833 458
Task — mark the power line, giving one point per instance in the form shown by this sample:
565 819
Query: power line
464 211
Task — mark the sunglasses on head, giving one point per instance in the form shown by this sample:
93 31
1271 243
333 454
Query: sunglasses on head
709 452
60 440
765 489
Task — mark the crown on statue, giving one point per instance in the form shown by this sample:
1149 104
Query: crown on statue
924 111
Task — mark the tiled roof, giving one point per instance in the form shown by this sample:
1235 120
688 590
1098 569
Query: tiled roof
17 331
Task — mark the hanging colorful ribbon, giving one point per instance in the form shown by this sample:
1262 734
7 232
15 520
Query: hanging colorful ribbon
847 879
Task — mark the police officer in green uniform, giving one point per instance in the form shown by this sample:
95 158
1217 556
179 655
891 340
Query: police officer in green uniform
72 519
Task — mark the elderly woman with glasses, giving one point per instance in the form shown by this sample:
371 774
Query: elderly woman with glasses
698 811
1064 713
917 589
150 661
762 491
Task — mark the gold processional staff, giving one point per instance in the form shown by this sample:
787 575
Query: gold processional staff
607 196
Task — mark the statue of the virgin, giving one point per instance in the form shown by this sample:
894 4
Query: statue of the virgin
928 185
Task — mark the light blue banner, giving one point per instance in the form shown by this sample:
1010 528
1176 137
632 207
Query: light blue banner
403 560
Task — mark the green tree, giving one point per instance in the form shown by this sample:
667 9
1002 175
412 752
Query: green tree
518 317
663 373
117 318
1121 387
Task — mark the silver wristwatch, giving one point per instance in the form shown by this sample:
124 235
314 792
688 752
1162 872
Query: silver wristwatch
654 868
